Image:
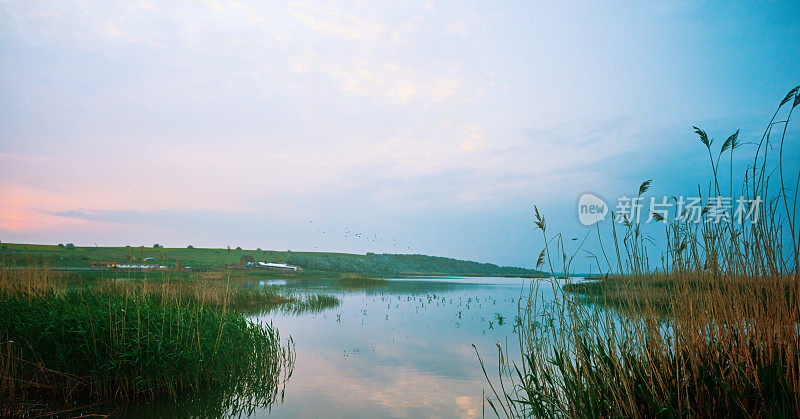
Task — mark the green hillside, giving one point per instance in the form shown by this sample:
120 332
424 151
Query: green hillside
15 254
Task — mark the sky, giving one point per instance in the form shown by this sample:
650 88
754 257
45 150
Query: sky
399 126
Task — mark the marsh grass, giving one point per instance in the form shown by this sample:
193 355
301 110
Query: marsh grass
217 292
121 341
689 346
220 290
312 303
715 332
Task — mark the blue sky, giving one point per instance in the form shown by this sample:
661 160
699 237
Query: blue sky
428 127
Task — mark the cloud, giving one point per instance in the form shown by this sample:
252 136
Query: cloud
113 112
368 75
475 139
330 20
458 28
82 215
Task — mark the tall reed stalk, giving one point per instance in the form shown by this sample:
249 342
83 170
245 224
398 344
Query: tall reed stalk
714 332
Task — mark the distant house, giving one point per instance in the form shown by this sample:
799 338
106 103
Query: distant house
104 263
279 266
136 266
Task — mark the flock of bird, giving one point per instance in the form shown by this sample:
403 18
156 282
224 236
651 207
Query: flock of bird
349 234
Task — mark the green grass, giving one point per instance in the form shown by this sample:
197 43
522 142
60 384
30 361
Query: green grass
197 289
313 303
124 342
28 254
313 263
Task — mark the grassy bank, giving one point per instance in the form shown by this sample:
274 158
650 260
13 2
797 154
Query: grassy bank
215 290
663 346
121 341
313 263
714 332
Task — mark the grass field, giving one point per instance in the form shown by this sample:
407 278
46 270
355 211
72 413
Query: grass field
14 254
58 256
68 341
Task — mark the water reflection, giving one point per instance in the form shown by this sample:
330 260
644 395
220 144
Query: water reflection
397 348
221 402
254 392
272 282
389 348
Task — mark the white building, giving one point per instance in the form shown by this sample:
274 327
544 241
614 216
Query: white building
281 266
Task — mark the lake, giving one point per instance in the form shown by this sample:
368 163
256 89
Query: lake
399 349
395 348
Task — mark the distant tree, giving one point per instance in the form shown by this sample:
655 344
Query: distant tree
190 247
155 246
61 245
238 248
70 246
259 249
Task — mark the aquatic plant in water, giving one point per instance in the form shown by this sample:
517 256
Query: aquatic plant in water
78 347
714 333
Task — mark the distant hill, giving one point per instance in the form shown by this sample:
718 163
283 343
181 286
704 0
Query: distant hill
16 254
400 263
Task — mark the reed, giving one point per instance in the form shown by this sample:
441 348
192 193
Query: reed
121 342
220 290
313 303
715 331
220 293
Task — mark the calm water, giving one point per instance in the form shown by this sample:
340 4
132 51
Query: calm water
398 348
401 349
